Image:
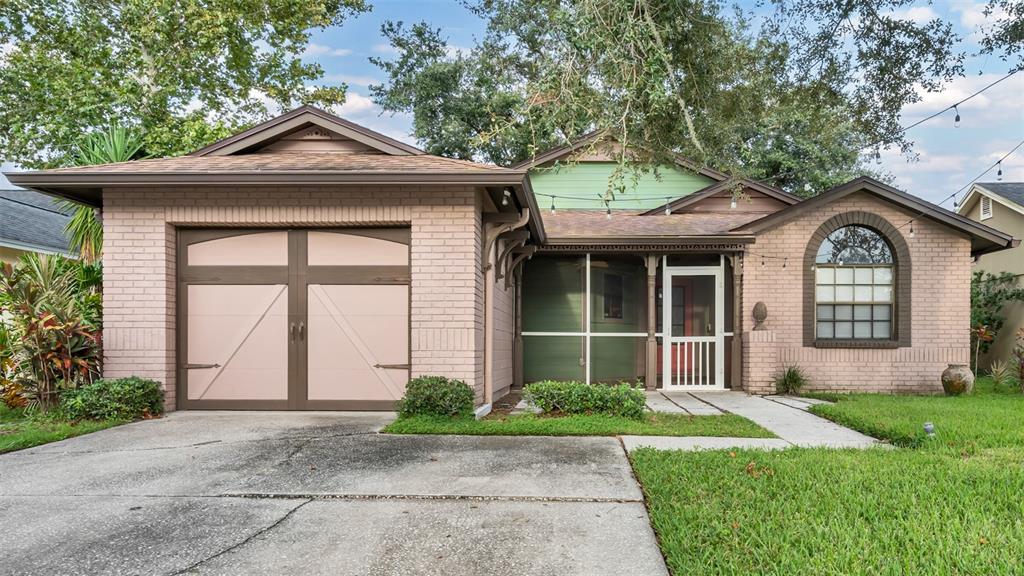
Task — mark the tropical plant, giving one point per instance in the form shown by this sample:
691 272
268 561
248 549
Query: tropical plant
790 380
115 144
989 294
1003 374
50 315
981 336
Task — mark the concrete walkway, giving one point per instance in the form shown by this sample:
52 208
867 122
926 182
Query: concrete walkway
785 416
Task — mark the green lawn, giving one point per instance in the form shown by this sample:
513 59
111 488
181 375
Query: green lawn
18 431
949 505
582 425
984 419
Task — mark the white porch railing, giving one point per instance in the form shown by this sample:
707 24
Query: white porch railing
693 361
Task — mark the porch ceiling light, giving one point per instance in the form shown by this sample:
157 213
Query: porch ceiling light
506 194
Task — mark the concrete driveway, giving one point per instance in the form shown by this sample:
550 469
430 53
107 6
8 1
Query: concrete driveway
319 493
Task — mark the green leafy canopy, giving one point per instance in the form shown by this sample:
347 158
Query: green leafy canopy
181 72
793 94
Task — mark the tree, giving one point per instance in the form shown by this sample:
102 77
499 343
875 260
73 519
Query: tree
182 72
786 102
1005 38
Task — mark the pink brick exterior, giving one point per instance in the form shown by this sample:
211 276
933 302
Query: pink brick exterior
446 289
941 272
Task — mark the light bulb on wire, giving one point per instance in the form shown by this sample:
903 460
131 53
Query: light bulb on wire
956 120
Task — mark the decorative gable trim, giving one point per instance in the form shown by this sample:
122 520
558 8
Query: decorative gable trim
296 120
690 199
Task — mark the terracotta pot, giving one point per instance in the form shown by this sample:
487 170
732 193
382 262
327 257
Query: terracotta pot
957 379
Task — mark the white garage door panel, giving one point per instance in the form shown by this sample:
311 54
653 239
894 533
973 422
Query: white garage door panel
240 333
352 330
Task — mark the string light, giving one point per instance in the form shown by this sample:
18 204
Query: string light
956 121
762 260
552 204
911 228
732 204
784 262
999 174
607 210
668 208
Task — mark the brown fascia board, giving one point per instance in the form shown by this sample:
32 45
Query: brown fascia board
641 240
387 143
529 199
712 189
997 239
589 138
87 188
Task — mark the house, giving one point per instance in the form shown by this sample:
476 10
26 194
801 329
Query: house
311 263
1000 205
31 222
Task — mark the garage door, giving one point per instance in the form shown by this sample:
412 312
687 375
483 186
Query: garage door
293 319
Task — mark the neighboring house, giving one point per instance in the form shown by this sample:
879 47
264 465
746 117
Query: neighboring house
310 263
31 222
1000 205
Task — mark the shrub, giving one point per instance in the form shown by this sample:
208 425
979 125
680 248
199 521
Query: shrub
114 399
578 398
1003 374
790 381
436 396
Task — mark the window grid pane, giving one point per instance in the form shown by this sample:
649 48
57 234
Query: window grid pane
853 302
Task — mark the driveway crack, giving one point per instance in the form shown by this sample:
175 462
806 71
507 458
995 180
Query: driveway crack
191 568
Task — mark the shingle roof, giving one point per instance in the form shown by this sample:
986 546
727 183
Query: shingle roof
30 220
290 162
1012 191
629 223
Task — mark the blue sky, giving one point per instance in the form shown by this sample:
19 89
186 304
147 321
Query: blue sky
947 157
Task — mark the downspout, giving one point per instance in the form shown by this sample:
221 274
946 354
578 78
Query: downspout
490 239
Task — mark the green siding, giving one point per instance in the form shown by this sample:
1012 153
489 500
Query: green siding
590 180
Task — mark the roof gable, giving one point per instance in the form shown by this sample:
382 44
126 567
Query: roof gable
593 141
983 238
308 129
708 197
1009 194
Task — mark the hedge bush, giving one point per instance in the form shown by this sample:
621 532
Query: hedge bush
436 396
624 400
114 399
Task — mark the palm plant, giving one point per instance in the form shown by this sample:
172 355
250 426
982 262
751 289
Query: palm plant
116 144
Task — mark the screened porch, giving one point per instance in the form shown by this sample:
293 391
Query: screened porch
599 317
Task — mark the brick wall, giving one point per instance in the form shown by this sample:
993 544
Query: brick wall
140 247
940 311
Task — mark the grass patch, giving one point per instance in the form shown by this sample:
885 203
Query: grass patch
19 430
821 511
582 425
945 505
985 419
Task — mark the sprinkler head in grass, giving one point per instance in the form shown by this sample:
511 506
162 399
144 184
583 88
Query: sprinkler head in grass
929 429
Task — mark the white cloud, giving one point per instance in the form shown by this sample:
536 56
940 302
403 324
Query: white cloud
973 18
999 104
384 49
353 79
322 50
356 104
916 14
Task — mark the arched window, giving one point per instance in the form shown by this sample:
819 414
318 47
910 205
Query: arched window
854 297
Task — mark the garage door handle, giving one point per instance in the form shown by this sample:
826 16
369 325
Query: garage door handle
392 366
200 366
